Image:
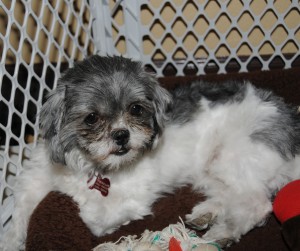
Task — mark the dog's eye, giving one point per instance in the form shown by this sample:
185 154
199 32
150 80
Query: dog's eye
91 119
136 110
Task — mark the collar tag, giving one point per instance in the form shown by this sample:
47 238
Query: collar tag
97 182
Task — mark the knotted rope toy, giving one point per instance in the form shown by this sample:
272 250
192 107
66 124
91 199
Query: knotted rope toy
175 237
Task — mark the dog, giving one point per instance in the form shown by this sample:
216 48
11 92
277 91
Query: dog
115 141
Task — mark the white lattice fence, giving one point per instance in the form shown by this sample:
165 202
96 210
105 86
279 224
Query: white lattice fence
202 36
38 39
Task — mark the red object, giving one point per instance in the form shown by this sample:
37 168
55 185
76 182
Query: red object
174 245
287 202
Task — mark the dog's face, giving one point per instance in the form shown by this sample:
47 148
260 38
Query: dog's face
109 108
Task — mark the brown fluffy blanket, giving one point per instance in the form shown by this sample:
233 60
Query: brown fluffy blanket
56 225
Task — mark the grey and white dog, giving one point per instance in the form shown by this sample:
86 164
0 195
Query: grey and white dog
115 141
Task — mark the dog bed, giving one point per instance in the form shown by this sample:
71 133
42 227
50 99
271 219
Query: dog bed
56 225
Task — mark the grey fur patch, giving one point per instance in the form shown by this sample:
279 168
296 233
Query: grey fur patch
187 98
282 132
222 93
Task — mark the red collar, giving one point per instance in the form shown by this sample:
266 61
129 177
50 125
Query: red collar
95 181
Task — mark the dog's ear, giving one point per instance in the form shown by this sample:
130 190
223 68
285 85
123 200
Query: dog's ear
51 118
162 100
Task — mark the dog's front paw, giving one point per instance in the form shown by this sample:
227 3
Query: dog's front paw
201 222
203 215
216 233
219 234
225 243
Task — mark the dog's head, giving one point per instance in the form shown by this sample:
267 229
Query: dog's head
108 108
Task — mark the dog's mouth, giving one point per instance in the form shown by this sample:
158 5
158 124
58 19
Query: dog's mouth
122 151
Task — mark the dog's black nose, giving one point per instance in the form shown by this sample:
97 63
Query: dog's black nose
121 137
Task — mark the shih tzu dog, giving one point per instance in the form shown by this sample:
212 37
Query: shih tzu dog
115 141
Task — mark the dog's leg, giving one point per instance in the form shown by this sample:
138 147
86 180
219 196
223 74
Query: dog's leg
238 188
241 214
230 216
109 220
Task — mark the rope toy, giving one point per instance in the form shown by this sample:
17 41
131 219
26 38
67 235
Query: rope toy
175 237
